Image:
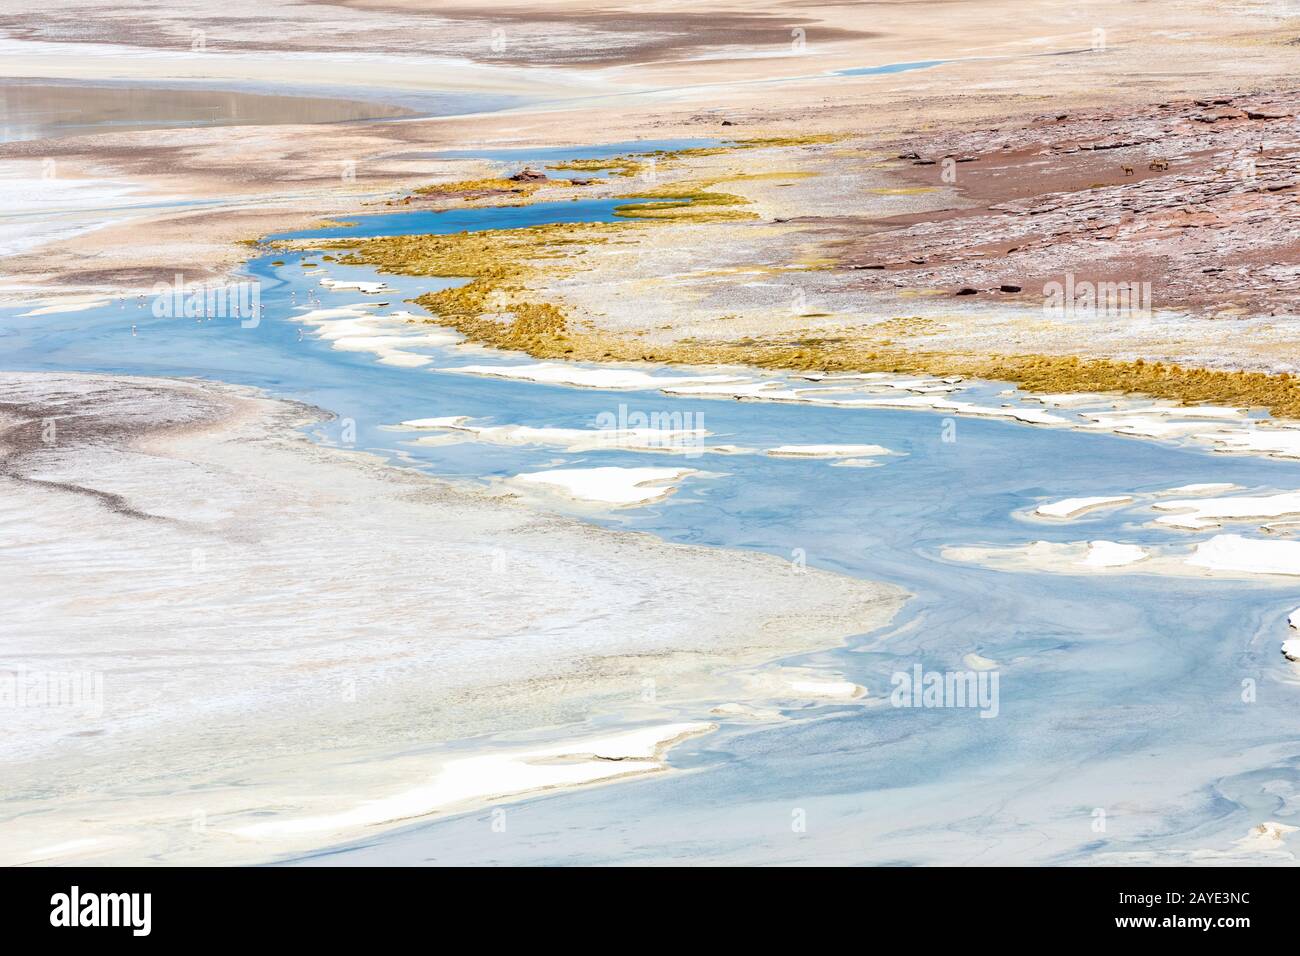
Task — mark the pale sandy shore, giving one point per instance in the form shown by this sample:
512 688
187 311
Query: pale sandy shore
253 644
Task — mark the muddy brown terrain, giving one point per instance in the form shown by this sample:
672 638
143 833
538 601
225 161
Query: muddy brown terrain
1200 198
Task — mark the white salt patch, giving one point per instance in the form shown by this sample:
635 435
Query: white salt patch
354 328
747 712
833 689
496 775
548 373
1266 837
72 303
775 391
67 848
1232 552
1111 554
1291 648
363 286
1072 507
919 385
446 422
380 343
1167 411
922 385
751 391
1147 426
828 451
785 683
665 440
1278 441
1041 551
801 683
1071 399
1210 411
402 359
610 485
1203 488
320 316
1198 514
1069 557
1030 416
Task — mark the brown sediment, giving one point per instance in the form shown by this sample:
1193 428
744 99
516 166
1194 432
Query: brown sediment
617 35
1200 50
1198 197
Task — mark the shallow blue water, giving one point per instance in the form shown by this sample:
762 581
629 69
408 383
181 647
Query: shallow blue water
1119 692
433 222
890 68
548 156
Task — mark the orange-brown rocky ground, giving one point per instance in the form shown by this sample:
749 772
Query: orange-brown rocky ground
1200 198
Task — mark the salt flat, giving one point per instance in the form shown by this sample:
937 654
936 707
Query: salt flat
262 610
